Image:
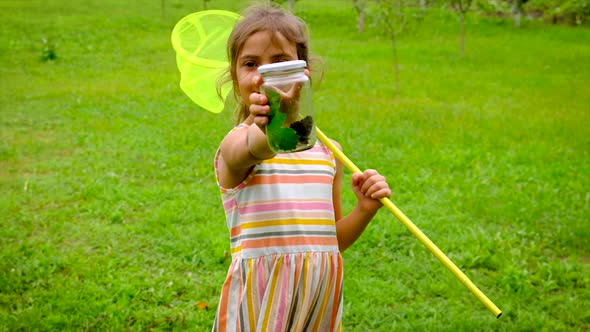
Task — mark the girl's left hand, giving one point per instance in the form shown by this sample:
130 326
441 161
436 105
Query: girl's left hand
369 187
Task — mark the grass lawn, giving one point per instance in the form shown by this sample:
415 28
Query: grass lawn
110 218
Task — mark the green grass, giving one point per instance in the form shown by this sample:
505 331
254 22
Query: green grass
110 216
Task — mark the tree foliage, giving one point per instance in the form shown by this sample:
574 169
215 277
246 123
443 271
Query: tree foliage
562 11
574 12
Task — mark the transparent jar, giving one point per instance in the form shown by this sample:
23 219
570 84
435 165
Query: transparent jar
291 126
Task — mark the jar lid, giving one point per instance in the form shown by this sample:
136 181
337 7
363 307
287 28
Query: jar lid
280 66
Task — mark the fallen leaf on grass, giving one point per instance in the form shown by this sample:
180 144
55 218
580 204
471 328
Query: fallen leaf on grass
202 306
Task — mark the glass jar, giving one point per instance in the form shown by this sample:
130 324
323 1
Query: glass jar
290 125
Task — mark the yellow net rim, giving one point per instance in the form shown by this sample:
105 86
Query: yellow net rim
188 21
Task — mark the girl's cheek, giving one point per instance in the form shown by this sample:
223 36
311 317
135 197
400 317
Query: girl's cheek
244 81
245 92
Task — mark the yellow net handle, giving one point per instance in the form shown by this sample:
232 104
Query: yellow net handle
415 230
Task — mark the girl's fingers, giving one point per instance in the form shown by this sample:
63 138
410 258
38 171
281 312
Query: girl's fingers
258 99
357 179
258 104
371 178
258 110
293 93
257 81
260 114
371 184
377 193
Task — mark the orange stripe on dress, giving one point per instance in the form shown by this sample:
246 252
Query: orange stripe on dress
289 241
235 231
283 179
223 306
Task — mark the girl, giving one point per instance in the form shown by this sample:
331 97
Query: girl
283 211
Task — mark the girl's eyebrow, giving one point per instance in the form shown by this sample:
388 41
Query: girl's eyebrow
273 57
249 57
280 56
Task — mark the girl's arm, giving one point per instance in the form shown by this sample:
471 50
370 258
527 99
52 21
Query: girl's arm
245 146
240 150
368 187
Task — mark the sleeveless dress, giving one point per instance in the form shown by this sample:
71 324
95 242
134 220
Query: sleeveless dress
286 270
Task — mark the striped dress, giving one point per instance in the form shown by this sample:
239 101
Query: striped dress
286 271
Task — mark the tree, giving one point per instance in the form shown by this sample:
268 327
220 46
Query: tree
517 11
423 7
360 8
392 18
462 7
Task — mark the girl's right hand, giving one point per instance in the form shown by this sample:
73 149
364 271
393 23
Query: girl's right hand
259 108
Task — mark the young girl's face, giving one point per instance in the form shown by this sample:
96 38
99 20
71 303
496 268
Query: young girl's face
260 49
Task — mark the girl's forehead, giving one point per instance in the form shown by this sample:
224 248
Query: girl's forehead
265 41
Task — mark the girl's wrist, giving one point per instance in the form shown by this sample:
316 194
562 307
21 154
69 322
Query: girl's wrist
257 144
367 211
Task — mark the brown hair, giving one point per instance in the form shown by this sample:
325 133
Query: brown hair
263 17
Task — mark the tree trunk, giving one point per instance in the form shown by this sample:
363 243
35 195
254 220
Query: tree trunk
423 6
517 12
395 64
291 5
462 37
361 21
359 8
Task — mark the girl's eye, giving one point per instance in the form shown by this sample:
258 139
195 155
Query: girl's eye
250 64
